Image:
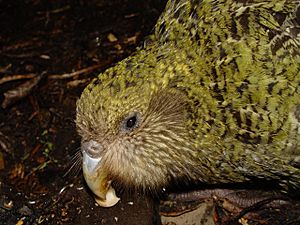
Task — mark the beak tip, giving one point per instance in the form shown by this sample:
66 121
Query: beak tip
96 179
110 200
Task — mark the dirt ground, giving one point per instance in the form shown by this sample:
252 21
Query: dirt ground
49 51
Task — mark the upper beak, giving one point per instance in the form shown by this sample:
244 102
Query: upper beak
98 181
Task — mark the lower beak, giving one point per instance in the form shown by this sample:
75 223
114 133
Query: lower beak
98 181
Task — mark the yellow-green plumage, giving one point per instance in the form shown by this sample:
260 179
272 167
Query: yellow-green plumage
216 96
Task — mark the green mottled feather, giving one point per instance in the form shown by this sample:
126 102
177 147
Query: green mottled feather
230 72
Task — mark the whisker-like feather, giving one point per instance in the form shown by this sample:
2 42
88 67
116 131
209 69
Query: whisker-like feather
74 166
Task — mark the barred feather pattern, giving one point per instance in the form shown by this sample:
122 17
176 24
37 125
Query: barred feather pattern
233 69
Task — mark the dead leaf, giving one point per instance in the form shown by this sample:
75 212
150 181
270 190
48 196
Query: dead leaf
17 171
111 37
20 222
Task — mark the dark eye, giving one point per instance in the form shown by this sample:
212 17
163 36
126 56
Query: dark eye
131 122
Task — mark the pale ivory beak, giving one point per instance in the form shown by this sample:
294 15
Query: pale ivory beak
98 181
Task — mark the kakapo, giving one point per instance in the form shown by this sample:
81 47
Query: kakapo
213 97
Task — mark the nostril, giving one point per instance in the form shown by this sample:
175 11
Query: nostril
92 148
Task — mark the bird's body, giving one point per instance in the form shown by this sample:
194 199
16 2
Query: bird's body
213 97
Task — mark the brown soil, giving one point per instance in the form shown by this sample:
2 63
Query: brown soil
46 41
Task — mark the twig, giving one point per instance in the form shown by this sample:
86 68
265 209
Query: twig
16 77
58 10
23 90
78 72
20 91
53 76
21 44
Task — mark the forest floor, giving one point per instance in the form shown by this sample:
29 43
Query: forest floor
50 50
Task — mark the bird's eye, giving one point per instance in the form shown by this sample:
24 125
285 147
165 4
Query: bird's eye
131 121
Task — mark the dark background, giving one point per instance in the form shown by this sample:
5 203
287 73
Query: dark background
46 41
